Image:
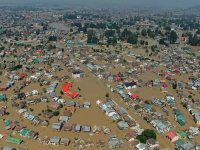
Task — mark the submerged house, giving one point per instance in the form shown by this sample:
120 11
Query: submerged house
14 140
114 142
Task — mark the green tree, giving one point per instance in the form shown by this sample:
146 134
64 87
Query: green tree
107 95
109 33
173 37
132 39
56 113
142 139
144 32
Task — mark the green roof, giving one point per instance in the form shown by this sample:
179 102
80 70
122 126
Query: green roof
91 44
101 70
23 132
70 43
36 61
79 43
182 134
14 140
2 97
172 101
181 122
7 123
179 143
178 113
185 48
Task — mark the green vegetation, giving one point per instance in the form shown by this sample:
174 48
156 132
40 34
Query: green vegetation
146 134
56 113
92 37
52 38
132 39
61 92
107 95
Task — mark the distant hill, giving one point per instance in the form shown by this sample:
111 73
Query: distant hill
197 7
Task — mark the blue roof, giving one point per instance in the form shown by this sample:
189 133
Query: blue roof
52 95
78 127
148 106
55 139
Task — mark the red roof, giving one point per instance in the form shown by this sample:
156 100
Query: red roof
39 50
134 95
65 89
117 78
21 75
165 85
171 135
3 87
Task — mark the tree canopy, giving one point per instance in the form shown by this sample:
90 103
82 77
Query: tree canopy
146 134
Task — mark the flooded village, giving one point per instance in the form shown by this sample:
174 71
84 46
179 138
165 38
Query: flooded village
97 78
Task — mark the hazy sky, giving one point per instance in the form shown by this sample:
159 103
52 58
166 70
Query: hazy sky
156 3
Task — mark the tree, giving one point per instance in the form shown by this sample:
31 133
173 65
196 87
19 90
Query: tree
142 139
109 33
146 43
61 92
126 33
146 134
162 41
149 134
173 37
132 39
92 37
56 113
168 28
144 32
107 95
174 86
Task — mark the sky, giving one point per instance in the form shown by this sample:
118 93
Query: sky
130 3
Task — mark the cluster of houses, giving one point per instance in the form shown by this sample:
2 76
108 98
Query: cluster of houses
146 111
177 113
22 95
20 129
117 114
179 139
55 140
14 77
23 112
52 87
76 128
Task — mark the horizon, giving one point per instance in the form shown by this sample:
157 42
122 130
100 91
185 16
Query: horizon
110 3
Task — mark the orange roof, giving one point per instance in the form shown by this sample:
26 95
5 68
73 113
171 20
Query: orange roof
72 108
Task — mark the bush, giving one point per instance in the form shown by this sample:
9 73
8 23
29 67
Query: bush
56 113
146 102
41 84
190 96
174 86
7 113
107 95
44 90
31 109
39 114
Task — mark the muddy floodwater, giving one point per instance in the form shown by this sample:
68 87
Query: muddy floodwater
59 26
